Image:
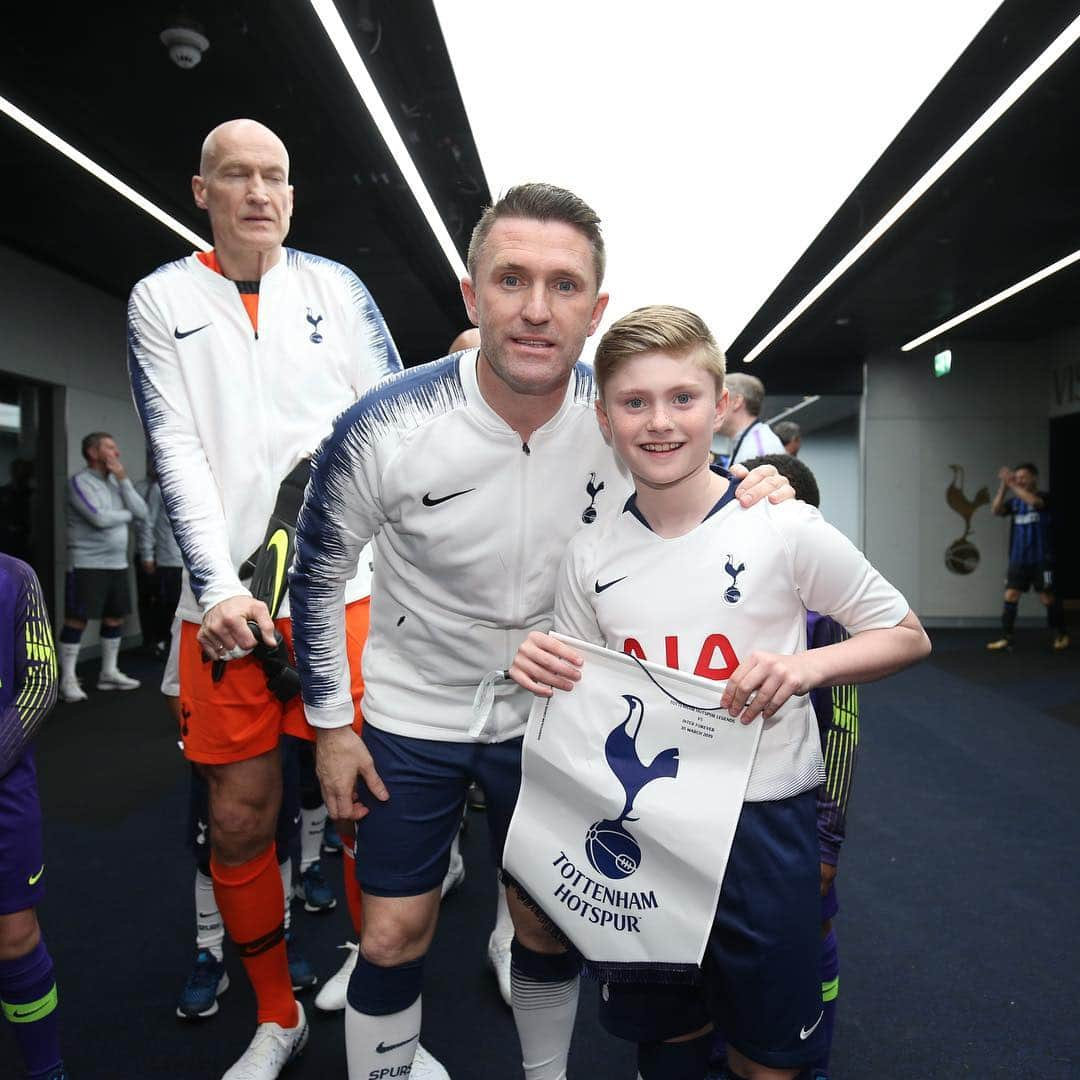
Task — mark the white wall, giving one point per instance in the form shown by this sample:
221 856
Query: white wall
832 455
59 330
991 410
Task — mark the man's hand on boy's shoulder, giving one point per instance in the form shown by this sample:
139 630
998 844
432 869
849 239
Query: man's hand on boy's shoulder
543 662
760 483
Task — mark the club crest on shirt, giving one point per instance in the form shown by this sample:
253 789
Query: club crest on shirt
592 489
609 846
315 336
732 594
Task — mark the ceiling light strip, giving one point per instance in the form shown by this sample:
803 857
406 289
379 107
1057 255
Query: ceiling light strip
809 400
365 87
997 298
106 177
1048 57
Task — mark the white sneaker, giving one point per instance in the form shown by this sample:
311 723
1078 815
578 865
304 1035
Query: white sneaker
70 690
455 873
271 1050
498 958
117 680
331 998
427 1067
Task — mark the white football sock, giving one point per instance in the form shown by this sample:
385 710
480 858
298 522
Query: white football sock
311 833
377 1045
110 650
69 656
503 930
544 1013
285 869
209 929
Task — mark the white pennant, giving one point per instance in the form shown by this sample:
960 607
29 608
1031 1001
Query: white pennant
632 786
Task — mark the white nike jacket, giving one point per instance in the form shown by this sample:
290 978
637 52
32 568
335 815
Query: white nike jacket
469 528
229 413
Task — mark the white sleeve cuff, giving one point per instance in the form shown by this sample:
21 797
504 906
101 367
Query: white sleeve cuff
213 596
330 716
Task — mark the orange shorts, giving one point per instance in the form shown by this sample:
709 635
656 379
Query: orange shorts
239 718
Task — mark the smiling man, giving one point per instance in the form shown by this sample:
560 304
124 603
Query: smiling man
239 359
471 474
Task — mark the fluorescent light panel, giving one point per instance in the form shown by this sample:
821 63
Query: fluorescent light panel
365 87
106 177
1048 57
809 400
993 301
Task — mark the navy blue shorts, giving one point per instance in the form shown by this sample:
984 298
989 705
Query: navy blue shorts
404 843
22 862
95 594
761 976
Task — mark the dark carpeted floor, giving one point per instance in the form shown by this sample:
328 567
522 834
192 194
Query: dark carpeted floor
959 892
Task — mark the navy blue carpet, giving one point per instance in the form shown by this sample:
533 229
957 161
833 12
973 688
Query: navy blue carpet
959 894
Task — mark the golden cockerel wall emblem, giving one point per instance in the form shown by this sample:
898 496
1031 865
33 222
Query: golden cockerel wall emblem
962 556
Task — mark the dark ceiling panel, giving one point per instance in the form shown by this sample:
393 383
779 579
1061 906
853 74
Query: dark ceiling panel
1008 208
106 84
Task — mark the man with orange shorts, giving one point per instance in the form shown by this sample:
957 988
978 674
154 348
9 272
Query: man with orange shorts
219 344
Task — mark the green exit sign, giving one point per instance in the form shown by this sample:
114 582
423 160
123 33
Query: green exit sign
943 363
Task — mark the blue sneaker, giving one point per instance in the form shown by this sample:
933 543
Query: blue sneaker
300 971
314 891
331 842
206 983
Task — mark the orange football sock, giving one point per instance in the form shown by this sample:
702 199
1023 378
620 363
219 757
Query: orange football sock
252 901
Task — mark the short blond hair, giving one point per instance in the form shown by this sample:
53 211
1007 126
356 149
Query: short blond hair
658 328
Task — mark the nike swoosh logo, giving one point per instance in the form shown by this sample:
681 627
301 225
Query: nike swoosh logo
181 334
380 1049
600 588
16 1015
805 1033
427 500
208 914
279 544
33 879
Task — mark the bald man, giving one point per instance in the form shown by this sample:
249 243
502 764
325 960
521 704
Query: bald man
239 359
467 339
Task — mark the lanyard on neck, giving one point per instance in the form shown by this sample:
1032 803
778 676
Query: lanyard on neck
738 445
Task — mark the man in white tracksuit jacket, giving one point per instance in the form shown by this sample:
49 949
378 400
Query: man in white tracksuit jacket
471 474
239 360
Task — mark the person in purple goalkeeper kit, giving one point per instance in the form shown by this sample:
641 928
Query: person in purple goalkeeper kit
836 709
27 693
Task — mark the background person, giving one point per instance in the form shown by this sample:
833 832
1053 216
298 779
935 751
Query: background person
1031 553
790 434
161 569
101 503
836 709
750 436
